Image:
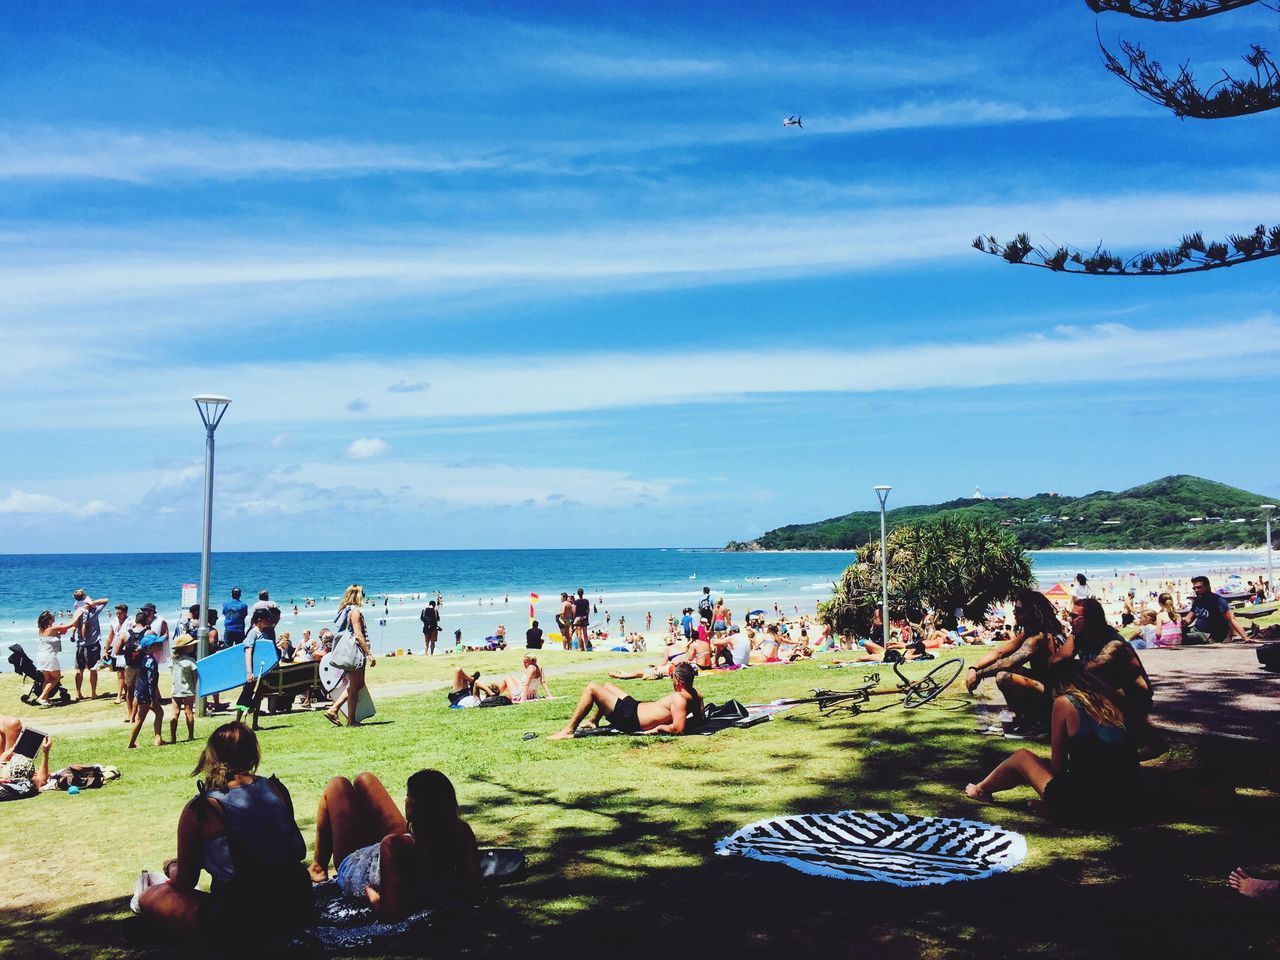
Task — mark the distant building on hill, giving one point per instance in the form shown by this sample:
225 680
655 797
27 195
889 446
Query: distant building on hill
977 494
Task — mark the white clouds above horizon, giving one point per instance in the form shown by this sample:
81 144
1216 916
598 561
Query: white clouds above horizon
22 503
482 387
134 278
366 448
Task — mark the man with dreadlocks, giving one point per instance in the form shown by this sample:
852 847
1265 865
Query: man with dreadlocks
623 711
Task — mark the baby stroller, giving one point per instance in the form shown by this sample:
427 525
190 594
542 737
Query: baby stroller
23 666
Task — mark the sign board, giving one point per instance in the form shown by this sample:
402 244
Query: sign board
189 598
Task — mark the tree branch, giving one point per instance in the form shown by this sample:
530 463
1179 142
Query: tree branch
1191 255
1169 11
1229 97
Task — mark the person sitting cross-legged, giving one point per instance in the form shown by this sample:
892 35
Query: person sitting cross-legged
399 863
623 711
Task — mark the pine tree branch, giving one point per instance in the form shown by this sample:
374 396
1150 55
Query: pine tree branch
1170 11
1229 97
1191 255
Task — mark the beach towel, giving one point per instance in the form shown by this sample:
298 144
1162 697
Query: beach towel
896 848
755 714
343 923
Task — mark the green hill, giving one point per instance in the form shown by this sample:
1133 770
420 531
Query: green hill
1179 512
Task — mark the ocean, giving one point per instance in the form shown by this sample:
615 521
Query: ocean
485 588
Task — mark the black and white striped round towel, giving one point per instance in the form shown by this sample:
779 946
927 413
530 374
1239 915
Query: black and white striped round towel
896 848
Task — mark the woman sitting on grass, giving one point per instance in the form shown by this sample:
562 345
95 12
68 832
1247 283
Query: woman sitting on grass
240 828
528 685
399 863
1092 770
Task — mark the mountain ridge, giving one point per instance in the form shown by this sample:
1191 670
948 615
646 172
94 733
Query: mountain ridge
1180 511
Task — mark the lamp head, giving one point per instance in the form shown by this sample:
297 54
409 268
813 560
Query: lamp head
882 492
211 407
1267 507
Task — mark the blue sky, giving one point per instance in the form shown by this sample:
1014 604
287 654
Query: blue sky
555 274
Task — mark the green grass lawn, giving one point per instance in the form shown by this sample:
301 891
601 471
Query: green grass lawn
620 831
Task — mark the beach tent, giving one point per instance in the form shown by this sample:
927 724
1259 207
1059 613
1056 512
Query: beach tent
1058 594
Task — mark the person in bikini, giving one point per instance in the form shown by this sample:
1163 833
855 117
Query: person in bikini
517 687
677 652
623 711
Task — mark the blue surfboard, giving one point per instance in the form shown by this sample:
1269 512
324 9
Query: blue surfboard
224 670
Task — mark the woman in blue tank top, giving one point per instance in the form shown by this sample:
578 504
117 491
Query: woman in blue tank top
240 828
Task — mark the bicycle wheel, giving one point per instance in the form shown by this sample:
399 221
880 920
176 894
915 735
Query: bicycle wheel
932 683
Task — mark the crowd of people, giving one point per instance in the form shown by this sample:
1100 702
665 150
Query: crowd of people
1066 674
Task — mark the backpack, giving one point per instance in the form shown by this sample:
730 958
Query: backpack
430 618
497 701
130 650
706 608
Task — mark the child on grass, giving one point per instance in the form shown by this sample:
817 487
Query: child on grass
146 691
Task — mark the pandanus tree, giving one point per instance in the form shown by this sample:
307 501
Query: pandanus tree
942 565
1254 90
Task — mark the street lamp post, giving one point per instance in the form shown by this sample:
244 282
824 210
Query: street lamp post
882 494
1271 583
211 409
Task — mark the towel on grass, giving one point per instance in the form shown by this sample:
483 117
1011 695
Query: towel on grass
343 923
896 848
755 713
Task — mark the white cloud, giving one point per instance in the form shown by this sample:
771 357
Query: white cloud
40 504
144 156
495 386
366 447
234 280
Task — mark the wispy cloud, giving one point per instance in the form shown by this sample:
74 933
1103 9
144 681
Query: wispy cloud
366 448
498 386
146 156
20 502
406 386
292 276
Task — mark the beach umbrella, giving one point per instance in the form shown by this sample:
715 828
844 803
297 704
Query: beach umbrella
1058 593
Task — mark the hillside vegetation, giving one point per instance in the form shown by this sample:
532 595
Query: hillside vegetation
1154 515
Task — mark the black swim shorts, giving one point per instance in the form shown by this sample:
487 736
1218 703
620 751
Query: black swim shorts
88 655
625 715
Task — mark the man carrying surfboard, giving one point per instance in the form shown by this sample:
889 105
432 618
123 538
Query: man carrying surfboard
249 698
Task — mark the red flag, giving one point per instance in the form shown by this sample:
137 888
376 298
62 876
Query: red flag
533 597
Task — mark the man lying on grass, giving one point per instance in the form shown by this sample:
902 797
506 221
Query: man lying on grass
629 715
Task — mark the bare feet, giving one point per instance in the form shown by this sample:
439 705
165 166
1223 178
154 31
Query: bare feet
973 793
133 746
565 734
318 873
160 741
1242 883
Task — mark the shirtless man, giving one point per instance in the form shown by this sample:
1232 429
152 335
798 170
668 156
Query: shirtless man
565 620
632 716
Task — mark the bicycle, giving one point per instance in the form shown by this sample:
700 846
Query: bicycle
914 693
